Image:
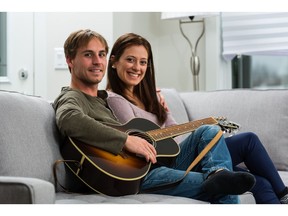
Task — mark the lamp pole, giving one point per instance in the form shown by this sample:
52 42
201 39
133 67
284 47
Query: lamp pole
194 59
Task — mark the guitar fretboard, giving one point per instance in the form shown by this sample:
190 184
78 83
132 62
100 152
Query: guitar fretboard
176 130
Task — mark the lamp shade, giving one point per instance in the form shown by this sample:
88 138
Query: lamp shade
186 15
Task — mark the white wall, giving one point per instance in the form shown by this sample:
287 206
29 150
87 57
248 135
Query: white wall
58 27
175 54
217 69
171 51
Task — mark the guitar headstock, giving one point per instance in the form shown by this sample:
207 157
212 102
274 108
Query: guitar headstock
227 126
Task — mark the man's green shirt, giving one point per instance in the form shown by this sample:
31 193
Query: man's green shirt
85 118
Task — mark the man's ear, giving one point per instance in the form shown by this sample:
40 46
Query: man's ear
69 61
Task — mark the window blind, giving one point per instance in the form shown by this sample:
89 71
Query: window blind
254 33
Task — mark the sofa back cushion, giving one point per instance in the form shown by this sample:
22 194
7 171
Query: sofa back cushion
176 108
175 105
29 139
264 112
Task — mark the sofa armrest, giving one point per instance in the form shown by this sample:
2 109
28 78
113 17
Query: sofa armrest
23 190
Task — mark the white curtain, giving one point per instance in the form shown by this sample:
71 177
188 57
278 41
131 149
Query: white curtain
254 33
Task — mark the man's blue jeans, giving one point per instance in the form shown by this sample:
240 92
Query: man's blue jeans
191 186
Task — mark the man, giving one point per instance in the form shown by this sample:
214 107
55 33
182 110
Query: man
82 113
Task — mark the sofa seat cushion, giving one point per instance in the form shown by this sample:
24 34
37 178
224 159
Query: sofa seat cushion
66 198
284 177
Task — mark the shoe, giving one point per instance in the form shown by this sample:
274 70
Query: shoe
226 182
284 199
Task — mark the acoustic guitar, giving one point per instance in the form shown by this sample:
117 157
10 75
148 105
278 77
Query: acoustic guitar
117 175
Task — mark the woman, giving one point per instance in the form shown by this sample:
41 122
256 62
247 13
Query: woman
131 83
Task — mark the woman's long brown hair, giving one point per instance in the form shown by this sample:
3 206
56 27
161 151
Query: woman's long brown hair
146 89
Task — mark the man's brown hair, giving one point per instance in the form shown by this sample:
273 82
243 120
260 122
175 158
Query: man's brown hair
81 38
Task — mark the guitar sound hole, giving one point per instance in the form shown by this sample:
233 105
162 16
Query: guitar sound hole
143 136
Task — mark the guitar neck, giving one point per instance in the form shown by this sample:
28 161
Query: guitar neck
176 130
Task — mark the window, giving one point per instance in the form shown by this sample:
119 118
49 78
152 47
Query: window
3 45
260 71
257 43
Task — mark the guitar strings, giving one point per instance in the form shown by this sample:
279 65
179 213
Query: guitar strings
143 136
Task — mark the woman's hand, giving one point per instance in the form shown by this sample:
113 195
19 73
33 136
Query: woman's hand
162 99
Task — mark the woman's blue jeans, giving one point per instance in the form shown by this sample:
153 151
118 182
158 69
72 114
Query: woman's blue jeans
191 186
247 148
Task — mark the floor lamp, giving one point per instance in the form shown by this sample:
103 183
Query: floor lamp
194 59
189 18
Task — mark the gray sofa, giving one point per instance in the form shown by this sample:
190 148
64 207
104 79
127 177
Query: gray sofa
29 141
